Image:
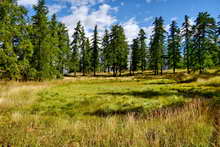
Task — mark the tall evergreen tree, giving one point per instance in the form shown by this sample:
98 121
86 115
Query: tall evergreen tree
95 50
119 49
64 49
187 33
54 45
75 45
41 40
106 53
157 46
135 55
15 45
142 50
218 43
174 46
85 53
202 42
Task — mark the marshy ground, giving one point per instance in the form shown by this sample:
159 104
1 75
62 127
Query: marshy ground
142 110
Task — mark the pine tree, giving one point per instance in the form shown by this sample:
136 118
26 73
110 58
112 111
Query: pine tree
135 55
75 45
142 50
174 46
41 40
218 43
95 50
85 53
119 49
54 46
106 53
202 42
14 44
187 34
88 56
64 49
157 46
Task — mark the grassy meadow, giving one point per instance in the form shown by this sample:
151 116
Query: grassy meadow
142 110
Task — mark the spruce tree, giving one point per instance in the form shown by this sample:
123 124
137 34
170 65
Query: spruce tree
14 43
142 50
64 49
95 50
85 53
106 53
119 49
135 55
187 33
157 46
174 46
75 45
218 43
202 42
54 46
41 40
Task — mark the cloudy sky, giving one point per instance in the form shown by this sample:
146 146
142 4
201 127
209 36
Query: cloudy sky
131 14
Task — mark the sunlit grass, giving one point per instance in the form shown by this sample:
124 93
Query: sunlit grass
137 111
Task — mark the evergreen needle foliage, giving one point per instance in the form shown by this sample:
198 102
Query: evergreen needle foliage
40 49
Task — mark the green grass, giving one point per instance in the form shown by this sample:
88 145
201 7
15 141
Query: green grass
128 111
105 97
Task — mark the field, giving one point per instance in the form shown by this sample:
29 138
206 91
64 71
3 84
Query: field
142 110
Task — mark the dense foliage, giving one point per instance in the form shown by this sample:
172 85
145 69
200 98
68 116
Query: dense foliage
40 49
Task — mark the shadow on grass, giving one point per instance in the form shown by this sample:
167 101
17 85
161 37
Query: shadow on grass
141 94
108 112
187 93
195 93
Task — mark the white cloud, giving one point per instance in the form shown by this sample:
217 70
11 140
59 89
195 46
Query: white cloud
149 1
147 19
83 2
89 19
53 9
27 2
191 21
174 19
131 29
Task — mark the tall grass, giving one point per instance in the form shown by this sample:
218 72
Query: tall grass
187 126
166 123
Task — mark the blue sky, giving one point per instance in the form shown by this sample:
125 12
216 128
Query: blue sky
131 14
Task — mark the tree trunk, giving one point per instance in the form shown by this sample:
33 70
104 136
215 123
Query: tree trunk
94 71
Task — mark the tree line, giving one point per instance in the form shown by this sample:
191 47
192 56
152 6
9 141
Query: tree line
40 48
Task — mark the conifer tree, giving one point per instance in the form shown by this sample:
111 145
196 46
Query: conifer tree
88 55
13 43
142 50
54 46
202 42
187 33
135 55
157 46
85 53
95 51
41 40
75 45
218 41
64 49
106 53
174 46
119 49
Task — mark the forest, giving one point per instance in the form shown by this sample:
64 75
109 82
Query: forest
58 89
39 48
